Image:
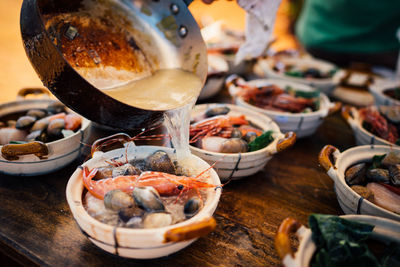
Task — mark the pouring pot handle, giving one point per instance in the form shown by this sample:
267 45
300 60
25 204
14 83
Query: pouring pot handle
13 151
22 93
347 115
325 155
194 230
282 238
287 141
334 108
102 143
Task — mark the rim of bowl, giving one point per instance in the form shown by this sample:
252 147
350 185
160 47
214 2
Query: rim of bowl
335 79
299 86
240 110
379 88
74 180
348 188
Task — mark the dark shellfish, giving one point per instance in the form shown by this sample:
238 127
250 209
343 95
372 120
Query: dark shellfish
356 174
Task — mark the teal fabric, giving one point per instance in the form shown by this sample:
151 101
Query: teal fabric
350 26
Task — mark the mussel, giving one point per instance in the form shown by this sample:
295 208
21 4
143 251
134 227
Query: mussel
378 175
356 174
161 162
159 219
25 122
192 206
391 159
217 110
147 198
394 173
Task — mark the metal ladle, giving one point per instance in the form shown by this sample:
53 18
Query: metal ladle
136 36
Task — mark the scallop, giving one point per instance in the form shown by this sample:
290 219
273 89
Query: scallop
126 169
155 220
147 198
192 206
217 110
234 145
117 200
25 122
161 162
355 174
378 175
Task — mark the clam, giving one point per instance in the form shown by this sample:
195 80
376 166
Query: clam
25 122
378 175
55 127
364 192
236 133
147 198
40 125
394 173
217 110
117 200
250 136
355 174
104 172
56 107
135 222
126 214
391 159
126 169
234 145
161 162
159 219
37 113
192 206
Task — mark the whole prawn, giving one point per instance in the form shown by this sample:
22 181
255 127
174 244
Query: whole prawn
166 184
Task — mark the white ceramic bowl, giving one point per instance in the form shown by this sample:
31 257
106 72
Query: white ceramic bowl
325 85
377 88
245 164
363 137
350 201
61 152
217 70
303 124
136 243
385 230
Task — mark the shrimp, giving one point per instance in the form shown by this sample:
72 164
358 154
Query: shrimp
221 126
165 184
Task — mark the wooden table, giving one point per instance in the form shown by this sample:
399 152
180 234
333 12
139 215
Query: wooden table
37 228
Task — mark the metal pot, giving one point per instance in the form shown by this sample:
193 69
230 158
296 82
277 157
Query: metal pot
163 31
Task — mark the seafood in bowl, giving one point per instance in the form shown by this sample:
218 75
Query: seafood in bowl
349 240
363 182
313 72
34 135
239 141
294 107
385 92
377 180
139 203
374 124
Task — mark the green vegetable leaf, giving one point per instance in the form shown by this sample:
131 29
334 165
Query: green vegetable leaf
294 73
17 142
307 94
377 161
340 242
261 141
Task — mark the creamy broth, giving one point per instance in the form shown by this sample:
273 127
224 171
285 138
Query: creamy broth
165 90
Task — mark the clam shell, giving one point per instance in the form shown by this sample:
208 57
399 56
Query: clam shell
155 220
161 162
378 175
25 122
234 145
394 173
117 200
356 174
147 198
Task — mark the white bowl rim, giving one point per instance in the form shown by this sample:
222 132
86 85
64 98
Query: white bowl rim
379 87
236 155
205 211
